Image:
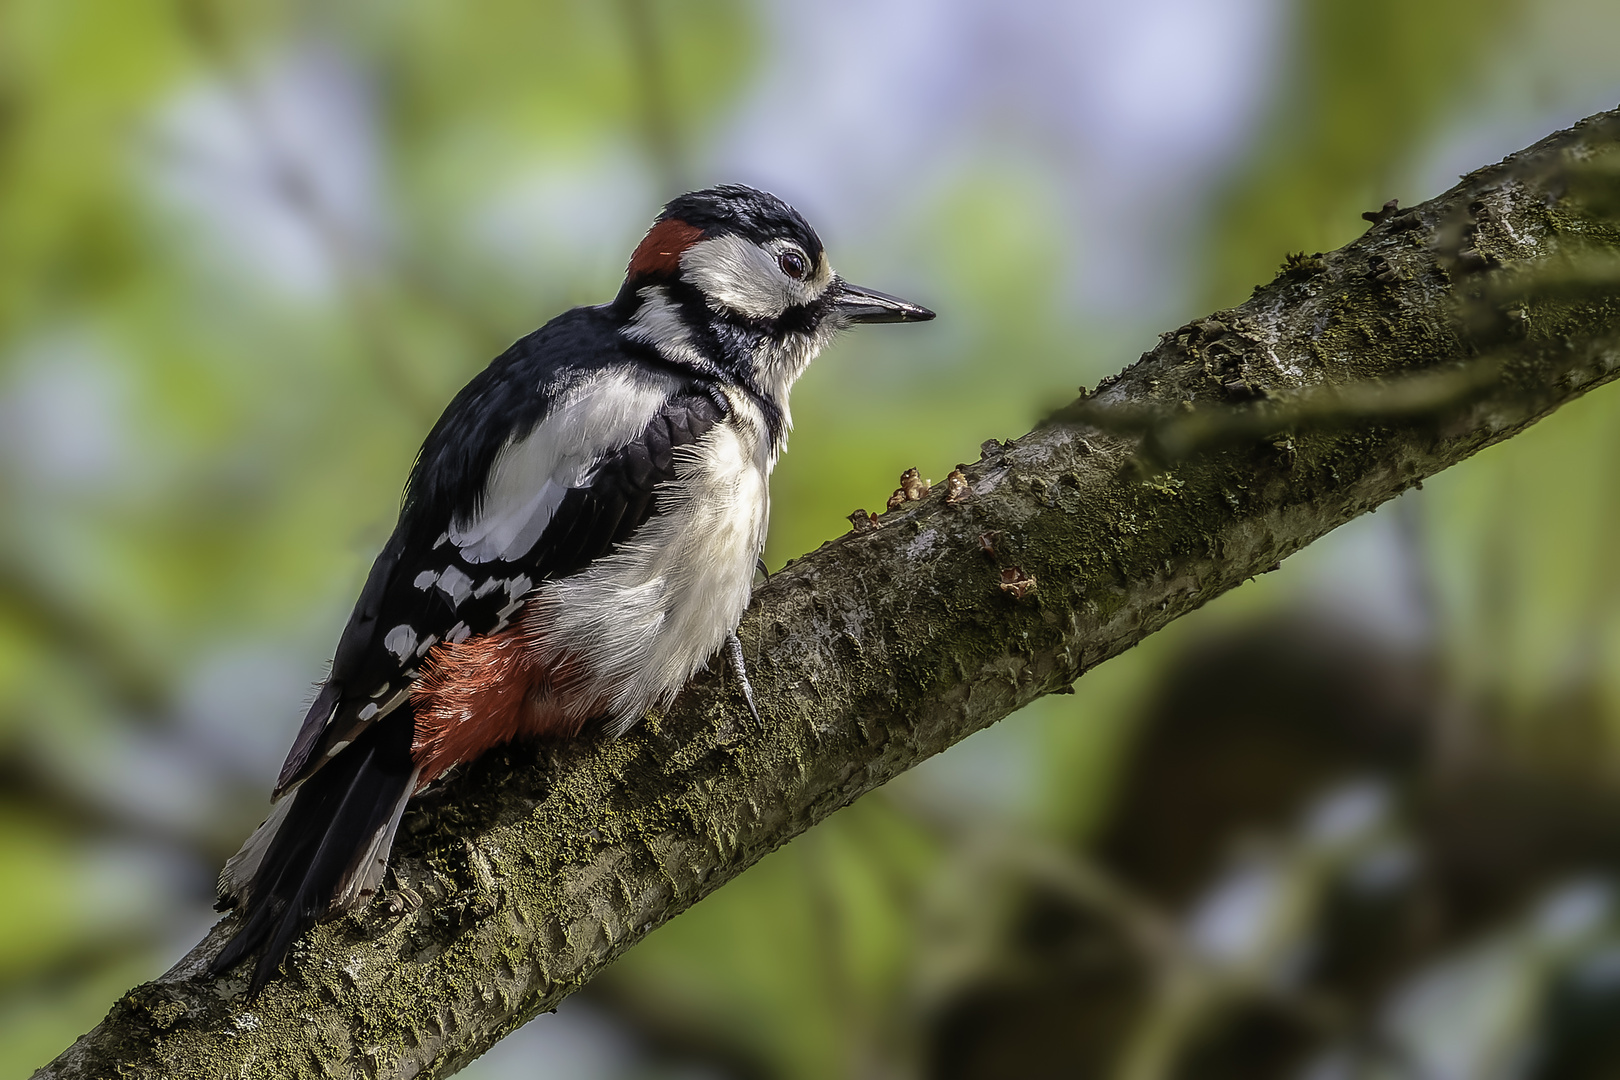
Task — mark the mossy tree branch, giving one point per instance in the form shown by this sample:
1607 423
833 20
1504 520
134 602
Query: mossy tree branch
1237 441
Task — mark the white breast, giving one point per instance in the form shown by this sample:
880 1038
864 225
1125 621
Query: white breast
646 618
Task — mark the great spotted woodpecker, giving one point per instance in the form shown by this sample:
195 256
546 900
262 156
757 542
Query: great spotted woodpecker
578 536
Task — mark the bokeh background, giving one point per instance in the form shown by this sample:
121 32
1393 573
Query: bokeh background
1360 818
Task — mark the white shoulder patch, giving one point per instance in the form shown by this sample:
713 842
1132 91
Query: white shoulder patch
532 474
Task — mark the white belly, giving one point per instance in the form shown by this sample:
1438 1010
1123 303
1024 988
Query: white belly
643 620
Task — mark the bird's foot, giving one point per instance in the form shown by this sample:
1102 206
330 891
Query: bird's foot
734 653
401 900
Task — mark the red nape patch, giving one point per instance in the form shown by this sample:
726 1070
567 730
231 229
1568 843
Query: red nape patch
659 253
490 690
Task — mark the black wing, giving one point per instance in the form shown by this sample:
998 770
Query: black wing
421 591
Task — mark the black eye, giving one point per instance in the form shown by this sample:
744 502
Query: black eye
792 264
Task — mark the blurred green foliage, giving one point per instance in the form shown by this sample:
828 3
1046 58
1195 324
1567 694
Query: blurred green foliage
202 441
1368 84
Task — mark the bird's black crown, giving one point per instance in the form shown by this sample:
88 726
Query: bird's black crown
755 215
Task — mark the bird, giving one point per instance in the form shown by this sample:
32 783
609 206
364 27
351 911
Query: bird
578 536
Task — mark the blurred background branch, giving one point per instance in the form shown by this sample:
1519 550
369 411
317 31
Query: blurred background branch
115 665
660 132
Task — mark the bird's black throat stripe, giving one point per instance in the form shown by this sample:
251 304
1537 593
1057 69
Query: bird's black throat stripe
734 339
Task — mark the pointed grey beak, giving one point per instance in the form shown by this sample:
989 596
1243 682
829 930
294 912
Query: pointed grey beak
858 305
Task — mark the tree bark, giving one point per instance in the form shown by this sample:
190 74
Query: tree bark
1236 441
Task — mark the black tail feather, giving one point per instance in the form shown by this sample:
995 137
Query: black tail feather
327 832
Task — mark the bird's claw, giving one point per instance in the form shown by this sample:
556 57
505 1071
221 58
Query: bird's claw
402 899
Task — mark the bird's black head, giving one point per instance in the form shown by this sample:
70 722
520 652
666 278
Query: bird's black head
733 284
757 216
754 260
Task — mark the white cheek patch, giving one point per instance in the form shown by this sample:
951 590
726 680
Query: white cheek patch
739 275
